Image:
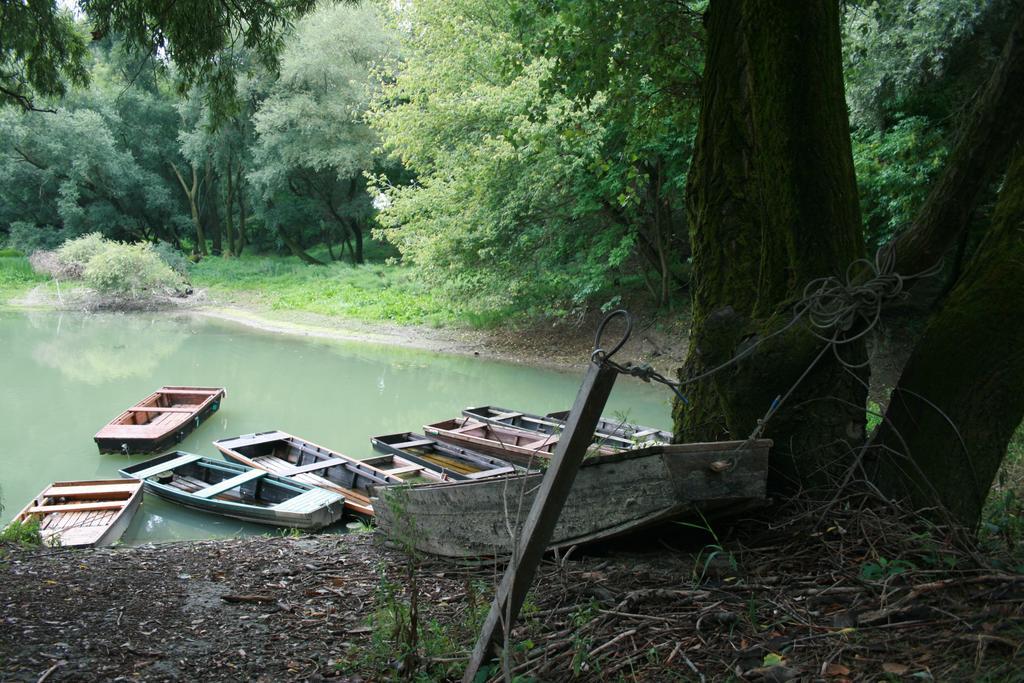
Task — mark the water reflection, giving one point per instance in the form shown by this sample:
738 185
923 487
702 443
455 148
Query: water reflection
104 347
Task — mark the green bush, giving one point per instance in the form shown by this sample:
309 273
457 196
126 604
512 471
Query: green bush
8 252
174 259
74 255
129 272
23 533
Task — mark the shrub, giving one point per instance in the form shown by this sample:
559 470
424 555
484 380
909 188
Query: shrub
74 255
130 272
29 237
8 252
175 260
22 533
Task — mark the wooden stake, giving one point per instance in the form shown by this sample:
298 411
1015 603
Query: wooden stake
547 506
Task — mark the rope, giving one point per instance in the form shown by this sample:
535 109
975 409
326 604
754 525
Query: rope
838 310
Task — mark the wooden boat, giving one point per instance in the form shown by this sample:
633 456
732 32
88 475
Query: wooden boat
234 490
515 445
638 434
609 432
611 496
84 514
164 417
455 462
300 460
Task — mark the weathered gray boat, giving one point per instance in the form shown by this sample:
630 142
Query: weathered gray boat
609 432
233 490
304 461
455 462
612 495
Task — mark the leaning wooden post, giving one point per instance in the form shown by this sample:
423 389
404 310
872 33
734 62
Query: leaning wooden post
547 506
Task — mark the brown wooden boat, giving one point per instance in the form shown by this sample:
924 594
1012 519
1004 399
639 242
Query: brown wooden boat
514 445
611 496
455 462
163 418
84 513
289 456
609 432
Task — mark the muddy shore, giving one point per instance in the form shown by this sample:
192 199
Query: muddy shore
761 602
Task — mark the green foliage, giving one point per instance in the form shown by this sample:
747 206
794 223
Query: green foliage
42 52
895 170
44 49
524 197
16 275
74 255
883 568
174 259
1002 521
25 533
313 145
373 293
10 251
129 272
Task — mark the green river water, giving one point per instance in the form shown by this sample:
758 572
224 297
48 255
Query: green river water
63 376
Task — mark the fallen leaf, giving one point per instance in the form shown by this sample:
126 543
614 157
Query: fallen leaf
836 670
892 668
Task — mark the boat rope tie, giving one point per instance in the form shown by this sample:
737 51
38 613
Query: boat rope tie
641 371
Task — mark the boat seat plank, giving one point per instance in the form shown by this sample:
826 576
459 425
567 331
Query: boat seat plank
413 444
505 416
77 507
169 465
197 390
314 466
228 484
89 490
541 443
153 409
405 470
305 502
497 471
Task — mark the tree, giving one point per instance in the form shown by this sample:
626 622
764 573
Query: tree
773 206
523 193
44 49
312 140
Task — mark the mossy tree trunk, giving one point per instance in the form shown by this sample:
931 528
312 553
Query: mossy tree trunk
967 371
772 204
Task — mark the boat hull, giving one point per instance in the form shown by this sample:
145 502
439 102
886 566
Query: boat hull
124 435
105 508
611 496
233 490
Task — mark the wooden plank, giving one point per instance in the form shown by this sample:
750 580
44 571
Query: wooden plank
164 467
540 523
308 501
76 507
150 409
90 490
228 484
413 444
498 471
405 470
314 466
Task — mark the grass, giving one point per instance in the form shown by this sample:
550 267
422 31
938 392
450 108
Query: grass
1002 520
371 292
17 277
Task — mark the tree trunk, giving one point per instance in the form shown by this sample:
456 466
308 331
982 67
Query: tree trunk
967 371
983 145
229 210
192 193
210 205
772 204
242 241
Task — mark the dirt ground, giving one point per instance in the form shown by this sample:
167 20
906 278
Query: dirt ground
794 595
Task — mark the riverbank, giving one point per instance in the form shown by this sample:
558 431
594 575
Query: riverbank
852 598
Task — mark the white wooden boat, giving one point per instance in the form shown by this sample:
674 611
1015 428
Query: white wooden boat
84 513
